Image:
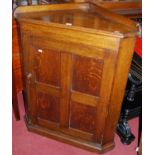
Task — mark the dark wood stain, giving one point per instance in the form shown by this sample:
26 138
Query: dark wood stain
48 67
75 75
87 73
82 117
16 54
48 107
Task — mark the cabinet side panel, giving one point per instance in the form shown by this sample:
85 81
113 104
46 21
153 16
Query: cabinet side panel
124 58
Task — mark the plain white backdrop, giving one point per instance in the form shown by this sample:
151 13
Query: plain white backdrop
148 69
148 130
5 77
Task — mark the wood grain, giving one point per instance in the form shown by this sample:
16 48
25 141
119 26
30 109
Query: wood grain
84 98
119 84
44 57
75 76
83 117
16 55
66 76
48 107
90 78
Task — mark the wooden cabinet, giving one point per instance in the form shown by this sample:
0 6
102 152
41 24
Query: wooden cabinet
75 61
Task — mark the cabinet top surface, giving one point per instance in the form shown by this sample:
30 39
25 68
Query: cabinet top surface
77 15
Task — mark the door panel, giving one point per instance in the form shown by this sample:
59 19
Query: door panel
82 117
48 107
87 72
48 66
70 89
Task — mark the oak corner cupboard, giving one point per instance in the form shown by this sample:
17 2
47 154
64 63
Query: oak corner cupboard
75 59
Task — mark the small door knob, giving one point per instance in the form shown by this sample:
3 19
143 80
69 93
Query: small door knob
29 75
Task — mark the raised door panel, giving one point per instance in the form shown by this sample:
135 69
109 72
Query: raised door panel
47 66
48 107
82 117
87 75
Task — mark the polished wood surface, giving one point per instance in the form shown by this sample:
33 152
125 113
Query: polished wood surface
129 8
78 18
112 5
16 70
16 54
14 98
75 75
118 5
79 15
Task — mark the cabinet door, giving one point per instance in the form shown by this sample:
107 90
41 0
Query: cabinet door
70 87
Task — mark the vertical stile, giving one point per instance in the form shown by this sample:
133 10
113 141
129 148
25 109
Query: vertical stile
105 89
66 76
